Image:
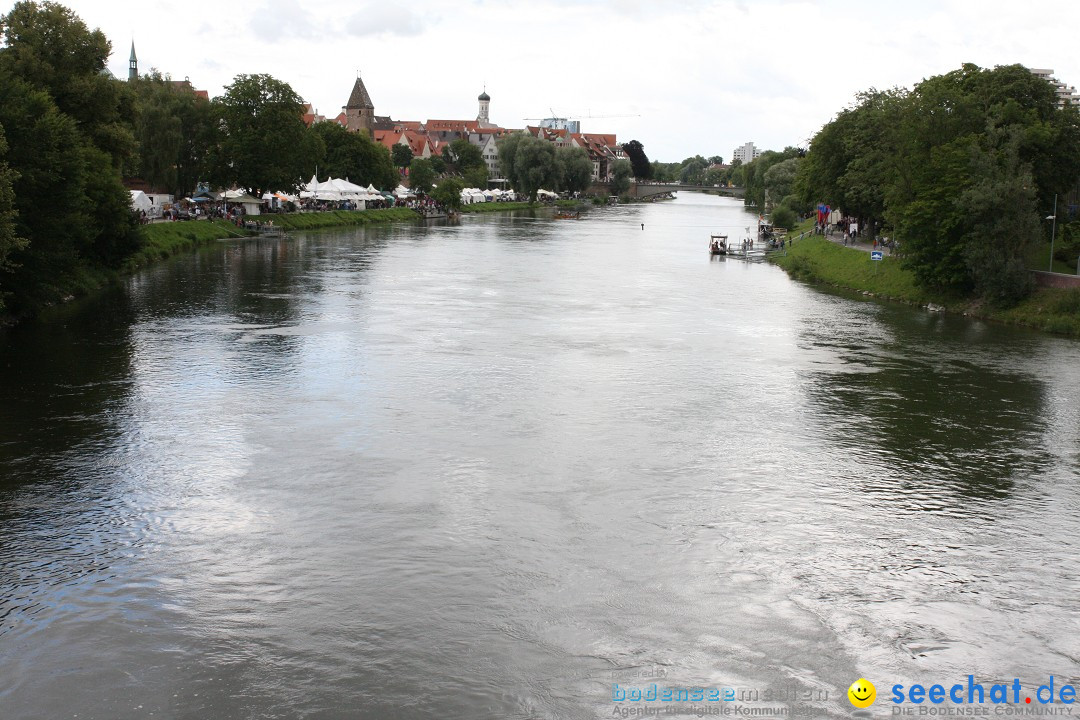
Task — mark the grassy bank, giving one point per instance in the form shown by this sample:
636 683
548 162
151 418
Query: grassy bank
817 260
166 239
490 207
339 218
169 238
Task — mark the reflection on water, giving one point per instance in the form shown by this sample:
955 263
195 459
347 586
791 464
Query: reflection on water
487 469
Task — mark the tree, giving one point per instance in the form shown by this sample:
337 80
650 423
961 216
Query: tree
620 181
448 193
421 176
779 180
716 160
755 171
354 156
639 161
49 47
1004 224
64 124
576 169
9 240
476 177
200 135
402 155
784 217
508 147
534 166
462 155
159 132
693 171
265 144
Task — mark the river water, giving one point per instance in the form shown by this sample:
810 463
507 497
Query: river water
490 470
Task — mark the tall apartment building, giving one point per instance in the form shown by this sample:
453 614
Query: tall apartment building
746 153
1066 93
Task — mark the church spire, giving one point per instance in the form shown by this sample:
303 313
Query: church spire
133 64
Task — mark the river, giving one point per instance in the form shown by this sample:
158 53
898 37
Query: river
492 470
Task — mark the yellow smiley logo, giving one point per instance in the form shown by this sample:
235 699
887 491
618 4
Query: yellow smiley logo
862 693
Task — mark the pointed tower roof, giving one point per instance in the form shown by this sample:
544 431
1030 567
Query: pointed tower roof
359 97
132 58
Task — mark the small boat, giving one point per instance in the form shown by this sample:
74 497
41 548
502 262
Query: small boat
718 245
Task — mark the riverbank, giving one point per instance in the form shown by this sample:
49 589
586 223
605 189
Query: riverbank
817 260
164 240
491 207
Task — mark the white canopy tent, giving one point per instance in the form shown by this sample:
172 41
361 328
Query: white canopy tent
139 201
336 189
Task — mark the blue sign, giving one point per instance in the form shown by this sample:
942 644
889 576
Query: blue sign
877 254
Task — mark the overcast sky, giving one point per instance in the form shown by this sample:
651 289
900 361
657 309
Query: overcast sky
685 77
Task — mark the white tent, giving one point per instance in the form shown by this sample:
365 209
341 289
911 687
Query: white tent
402 192
139 201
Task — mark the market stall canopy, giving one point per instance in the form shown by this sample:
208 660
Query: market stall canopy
139 201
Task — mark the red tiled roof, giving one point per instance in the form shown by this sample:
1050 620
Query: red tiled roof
451 125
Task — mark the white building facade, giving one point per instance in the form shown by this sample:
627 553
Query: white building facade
746 153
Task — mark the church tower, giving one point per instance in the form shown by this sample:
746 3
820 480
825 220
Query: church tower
359 113
482 119
133 64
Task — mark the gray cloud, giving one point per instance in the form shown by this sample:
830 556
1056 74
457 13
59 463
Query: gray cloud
278 19
383 18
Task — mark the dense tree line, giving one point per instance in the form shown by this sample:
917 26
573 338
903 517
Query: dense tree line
698 170
531 164
66 131
70 133
960 170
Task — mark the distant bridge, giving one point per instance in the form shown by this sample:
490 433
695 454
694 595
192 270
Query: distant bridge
647 189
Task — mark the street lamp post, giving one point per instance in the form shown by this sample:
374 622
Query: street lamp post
1053 231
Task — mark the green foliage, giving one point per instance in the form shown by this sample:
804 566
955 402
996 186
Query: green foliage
508 147
265 144
50 48
476 177
575 169
439 165
816 259
758 182
784 217
64 214
402 155
639 161
167 128
961 168
528 163
354 156
693 171
1000 209
779 180
448 193
9 240
462 156
421 176
620 180
337 218
491 207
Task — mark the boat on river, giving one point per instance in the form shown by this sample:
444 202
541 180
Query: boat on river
718 245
